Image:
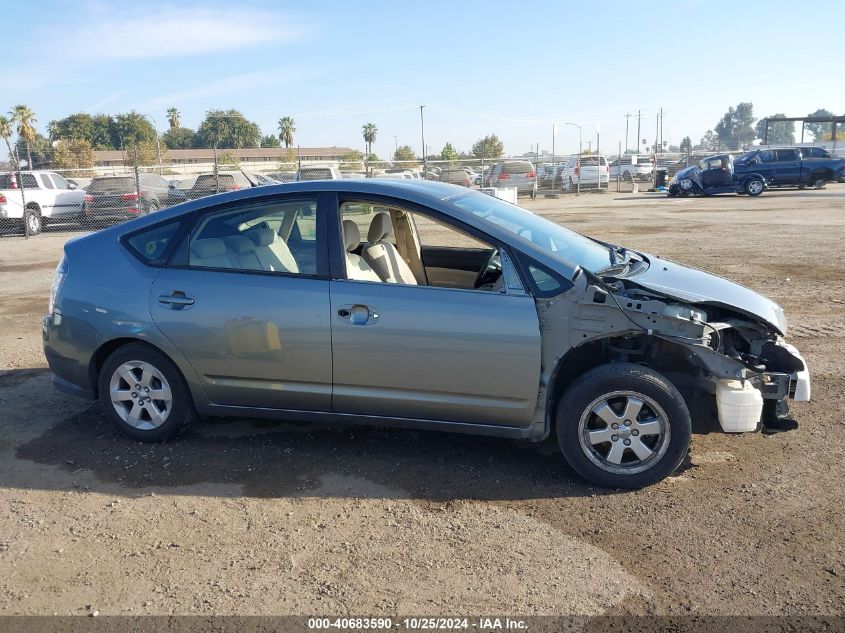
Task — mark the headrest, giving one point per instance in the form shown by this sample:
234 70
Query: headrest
211 247
262 237
239 243
351 235
379 227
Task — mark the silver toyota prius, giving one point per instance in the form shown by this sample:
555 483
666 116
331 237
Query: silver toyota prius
413 304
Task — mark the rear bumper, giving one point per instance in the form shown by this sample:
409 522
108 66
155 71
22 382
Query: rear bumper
67 361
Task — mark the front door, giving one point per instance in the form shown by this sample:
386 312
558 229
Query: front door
788 167
415 350
249 314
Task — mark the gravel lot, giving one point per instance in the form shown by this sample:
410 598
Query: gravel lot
254 517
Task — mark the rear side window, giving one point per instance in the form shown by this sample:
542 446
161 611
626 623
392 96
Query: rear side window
787 154
48 184
151 245
9 181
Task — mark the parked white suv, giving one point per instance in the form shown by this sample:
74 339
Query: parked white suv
632 167
588 171
318 172
47 196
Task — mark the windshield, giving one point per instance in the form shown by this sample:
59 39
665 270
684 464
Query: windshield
571 247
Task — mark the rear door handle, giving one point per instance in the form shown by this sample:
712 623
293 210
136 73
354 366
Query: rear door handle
176 300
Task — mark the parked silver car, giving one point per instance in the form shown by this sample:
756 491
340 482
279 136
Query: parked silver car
514 173
414 304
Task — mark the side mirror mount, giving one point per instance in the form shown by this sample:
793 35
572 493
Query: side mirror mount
71 185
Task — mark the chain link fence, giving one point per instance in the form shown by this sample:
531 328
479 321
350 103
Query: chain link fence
86 199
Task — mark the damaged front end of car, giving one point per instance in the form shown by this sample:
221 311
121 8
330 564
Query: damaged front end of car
719 343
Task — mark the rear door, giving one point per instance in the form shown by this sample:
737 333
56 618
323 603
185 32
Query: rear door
250 316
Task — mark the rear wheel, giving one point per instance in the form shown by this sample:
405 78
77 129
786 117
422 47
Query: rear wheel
819 183
623 426
627 177
144 394
754 186
32 221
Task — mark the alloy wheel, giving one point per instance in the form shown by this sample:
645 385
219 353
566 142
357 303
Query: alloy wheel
141 395
624 432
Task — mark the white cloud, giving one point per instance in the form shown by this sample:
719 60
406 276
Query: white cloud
173 32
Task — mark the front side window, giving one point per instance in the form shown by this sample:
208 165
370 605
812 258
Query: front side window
273 237
61 183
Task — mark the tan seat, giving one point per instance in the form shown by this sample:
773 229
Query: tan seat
272 251
211 253
382 256
356 267
243 250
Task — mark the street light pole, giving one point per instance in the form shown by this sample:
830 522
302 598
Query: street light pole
422 137
580 150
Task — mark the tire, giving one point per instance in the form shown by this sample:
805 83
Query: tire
819 183
627 177
571 185
610 462
147 365
32 222
754 186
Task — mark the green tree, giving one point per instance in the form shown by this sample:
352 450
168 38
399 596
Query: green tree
780 132
179 138
287 127
369 131
6 133
736 127
97 129
820 131
131 128
686 145
74 154
270 141
709 142
488 147
24 118
228 129
352 161
448 153
404 154
39 148
174 118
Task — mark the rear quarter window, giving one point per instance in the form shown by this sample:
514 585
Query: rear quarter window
151 245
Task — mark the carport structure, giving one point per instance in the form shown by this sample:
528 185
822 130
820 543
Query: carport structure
834 120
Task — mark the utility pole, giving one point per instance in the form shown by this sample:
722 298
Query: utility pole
422 137
21 187
661 129
627 121
639 120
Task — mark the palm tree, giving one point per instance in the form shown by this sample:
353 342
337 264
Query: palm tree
173 117
25 119
287 126
6 132
370 130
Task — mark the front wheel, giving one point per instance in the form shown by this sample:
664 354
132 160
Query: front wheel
754 186
622 425
144 394
819 183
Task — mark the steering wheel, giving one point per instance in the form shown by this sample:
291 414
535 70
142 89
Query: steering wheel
490 271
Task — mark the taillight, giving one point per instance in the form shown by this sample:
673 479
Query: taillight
577 168
58 278
88 198
504 177
129 196
2 199
531 174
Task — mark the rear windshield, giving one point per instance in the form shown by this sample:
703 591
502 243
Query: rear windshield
7 180
117 185
517 168
587 161
207 181
315 174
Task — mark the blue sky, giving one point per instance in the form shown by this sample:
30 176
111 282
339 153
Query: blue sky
510 68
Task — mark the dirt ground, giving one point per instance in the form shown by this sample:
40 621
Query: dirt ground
254 517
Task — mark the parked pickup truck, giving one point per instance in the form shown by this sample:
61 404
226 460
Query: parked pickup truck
47 195
792 166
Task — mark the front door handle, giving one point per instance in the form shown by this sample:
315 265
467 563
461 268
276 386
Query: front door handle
176 300
358 314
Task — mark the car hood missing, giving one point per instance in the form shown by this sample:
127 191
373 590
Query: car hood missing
696 286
